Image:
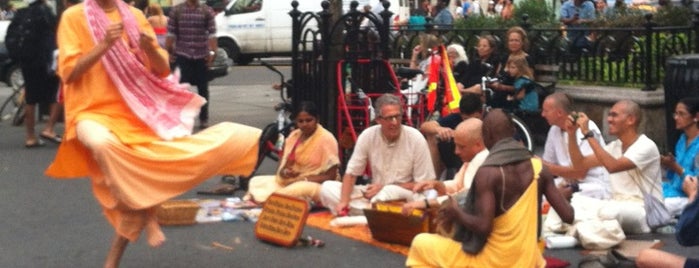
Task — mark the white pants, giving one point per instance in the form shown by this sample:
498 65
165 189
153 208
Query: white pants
631 215
330 193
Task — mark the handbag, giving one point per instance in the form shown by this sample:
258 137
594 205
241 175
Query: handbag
687 228
657 214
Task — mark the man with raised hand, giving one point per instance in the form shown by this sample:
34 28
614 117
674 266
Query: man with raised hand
633 161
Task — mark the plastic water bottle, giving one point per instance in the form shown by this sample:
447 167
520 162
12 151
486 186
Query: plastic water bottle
279 144
348 77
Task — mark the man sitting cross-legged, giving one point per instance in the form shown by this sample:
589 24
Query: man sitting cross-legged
439 134
633 161
505 190
397 156
471 150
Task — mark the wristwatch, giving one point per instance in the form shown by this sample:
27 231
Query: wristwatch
588 135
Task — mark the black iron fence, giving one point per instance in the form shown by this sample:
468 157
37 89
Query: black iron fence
631 57
323 42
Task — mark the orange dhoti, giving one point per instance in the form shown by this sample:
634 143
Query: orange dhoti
140 176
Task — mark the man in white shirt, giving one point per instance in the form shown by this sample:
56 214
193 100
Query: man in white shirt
593 182
469 147
397 156
633 161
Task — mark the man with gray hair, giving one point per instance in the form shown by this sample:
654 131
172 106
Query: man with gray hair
593 182
396 155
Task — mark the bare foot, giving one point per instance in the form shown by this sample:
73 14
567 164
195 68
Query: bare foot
154 234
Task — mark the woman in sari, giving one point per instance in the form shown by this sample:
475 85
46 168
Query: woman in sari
310 158
128 124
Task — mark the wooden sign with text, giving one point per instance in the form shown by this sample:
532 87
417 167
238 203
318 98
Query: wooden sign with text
282 220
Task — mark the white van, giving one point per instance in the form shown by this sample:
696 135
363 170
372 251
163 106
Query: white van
247 29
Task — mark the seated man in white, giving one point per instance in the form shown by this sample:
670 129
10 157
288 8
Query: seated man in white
633 161
397 155
469 147
592 182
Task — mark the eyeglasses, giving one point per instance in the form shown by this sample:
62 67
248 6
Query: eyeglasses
396 117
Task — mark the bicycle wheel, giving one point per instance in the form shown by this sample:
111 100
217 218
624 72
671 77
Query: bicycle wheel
522 133
10 105
18 117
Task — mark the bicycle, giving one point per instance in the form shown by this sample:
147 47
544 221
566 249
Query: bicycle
13 106
281 128
414 88
522 132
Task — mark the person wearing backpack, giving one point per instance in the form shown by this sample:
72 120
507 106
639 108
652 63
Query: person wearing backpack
191 42
31 40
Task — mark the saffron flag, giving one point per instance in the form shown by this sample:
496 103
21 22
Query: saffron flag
449 103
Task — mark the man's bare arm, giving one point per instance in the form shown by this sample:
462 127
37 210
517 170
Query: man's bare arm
576 158
555 198
568 172
609 162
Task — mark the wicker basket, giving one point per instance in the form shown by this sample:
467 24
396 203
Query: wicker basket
177 212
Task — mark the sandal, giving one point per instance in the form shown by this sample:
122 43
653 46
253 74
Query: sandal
35 144
55 138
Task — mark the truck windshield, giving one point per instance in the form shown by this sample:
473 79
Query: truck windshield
245 6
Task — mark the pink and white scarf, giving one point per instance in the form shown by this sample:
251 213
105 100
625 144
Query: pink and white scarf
163 104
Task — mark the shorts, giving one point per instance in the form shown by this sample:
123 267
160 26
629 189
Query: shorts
40 85
691 263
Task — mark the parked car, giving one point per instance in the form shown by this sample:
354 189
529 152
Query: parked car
220 65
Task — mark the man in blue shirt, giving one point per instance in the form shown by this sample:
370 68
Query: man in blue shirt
443 18
576 14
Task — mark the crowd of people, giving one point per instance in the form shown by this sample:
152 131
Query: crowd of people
127 134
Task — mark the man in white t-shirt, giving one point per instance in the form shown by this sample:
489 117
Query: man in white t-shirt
633 161
593 182
397 157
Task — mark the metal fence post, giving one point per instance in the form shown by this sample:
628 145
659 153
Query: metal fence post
695 19
328 89
386 16
648 68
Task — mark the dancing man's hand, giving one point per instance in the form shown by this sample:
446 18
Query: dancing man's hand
145 42
113 33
